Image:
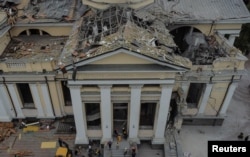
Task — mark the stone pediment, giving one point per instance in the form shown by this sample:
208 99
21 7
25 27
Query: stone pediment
124 60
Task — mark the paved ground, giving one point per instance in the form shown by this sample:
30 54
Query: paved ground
194 138
31 142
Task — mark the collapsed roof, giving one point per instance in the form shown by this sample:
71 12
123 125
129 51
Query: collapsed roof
114 28
39 11
32 49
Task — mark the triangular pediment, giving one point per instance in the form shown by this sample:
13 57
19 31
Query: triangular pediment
123 59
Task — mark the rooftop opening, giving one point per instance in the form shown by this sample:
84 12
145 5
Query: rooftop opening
193 44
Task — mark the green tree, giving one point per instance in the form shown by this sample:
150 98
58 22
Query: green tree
243 41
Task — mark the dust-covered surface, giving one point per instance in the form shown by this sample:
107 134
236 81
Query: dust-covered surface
194 139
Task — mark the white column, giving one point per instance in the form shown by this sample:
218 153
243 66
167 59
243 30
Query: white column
135 104
37 100
6 100
204 98
79 115
227 99
28 32
185 88
162 116
231 40
5 105
106 116
16 100
47 101
40 32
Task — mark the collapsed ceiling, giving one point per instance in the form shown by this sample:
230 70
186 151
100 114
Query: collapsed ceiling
105 31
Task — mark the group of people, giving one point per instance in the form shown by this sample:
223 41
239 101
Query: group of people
133 149
241 136
124 133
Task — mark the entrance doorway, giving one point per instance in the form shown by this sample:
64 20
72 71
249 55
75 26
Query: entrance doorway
120 116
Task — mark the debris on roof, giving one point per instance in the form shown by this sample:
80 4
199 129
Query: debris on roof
116 28
37 11
33 49
53 9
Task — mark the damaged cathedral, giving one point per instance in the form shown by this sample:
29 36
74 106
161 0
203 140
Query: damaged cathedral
143 65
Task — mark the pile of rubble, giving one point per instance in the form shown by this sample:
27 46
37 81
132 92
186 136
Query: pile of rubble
6 129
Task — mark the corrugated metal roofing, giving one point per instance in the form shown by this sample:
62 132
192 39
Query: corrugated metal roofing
206 9
55 9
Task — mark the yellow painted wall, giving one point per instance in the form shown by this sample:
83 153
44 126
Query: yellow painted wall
27 67
122 58
205 28
125 75
41 96
94 133
216 98
55 98
146 133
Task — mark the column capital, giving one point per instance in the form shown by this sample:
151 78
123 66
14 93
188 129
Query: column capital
136 85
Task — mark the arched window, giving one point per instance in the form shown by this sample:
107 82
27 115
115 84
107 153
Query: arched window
29 32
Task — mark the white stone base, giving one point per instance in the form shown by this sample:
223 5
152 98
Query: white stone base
5 119
158 140
134 140
105 140
81 140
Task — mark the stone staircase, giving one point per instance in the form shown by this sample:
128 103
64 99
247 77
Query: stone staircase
242 92
118 151
172 147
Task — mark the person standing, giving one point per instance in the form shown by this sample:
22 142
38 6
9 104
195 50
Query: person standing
60 142
115 132
109 144
133 154
133 151
117 145
125 151
246 138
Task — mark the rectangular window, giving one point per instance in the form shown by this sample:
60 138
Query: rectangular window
194 94
93 116
120 85
66 94
151 85
147 116
25 95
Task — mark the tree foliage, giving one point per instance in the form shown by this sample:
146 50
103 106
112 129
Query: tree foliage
243 41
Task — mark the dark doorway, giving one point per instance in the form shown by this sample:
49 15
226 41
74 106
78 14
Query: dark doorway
25 95
147 116
173 112
120 116
194 94
93 116
66 94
